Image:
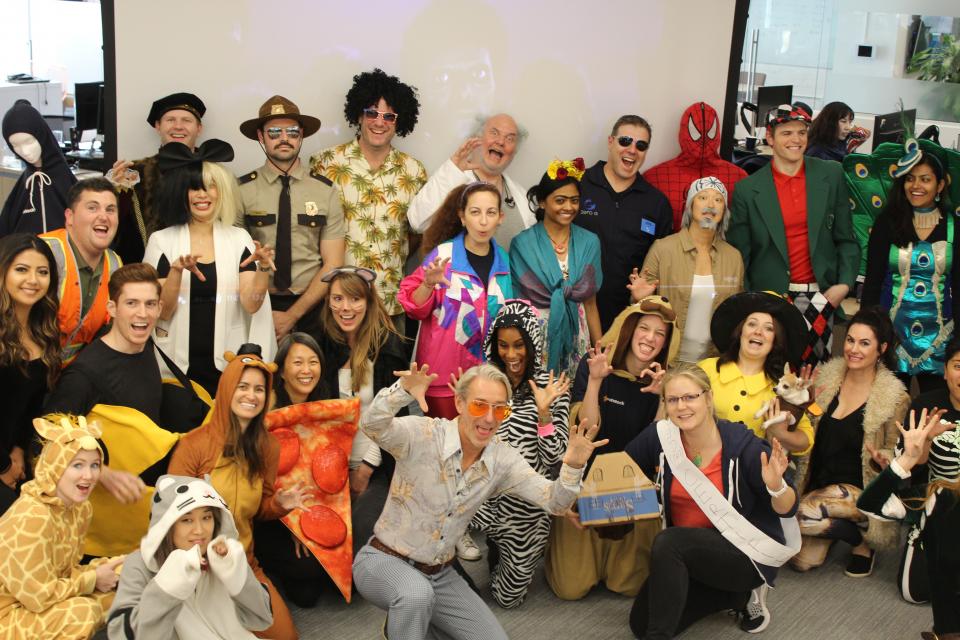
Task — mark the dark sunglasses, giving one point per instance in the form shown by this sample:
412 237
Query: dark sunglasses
367 275
373 114
293 132
626 141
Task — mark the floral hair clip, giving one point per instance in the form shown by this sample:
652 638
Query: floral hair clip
561 169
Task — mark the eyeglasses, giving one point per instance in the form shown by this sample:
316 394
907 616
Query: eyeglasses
626 141
368 275
373 114
293 132
687 398
479 408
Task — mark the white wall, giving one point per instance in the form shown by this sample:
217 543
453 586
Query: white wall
565 70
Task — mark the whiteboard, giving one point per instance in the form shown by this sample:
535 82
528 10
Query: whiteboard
564 70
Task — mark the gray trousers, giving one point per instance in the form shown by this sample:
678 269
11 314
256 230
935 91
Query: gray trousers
440 607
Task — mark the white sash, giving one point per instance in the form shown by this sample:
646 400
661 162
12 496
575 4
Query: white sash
753 542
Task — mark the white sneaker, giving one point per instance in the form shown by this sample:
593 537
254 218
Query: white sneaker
756 616
467 549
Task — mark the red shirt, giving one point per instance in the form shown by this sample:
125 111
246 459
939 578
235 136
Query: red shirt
792 194
684 512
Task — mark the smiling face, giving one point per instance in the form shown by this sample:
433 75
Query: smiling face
625 162
348 309
79 478
203 203
476 433
92 222
28 278
286 148
194 528
512 349
27 147
300 372
922 187
250 396
134 315
178 125
563 205
648 339
788 141
481 216
707 209
498 144
376 133
861 349
688 405
757 336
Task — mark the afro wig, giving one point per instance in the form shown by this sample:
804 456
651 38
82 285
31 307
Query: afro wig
369 86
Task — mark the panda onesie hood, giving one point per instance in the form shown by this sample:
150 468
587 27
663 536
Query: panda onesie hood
182 596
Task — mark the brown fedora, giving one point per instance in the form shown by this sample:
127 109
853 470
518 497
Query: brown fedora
279 107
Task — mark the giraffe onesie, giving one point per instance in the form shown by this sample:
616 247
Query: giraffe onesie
45 594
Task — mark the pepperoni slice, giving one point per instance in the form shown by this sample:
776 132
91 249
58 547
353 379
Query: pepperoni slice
330 468
323 526
289 449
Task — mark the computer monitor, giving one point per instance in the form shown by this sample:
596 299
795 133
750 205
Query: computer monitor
88 98
889 127
769 98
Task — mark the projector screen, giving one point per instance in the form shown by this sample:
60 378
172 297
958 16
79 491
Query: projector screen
564 71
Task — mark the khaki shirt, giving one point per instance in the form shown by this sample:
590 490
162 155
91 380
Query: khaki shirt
315 208
673 260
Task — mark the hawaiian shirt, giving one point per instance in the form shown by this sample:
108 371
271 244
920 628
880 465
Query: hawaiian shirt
375 207
432 499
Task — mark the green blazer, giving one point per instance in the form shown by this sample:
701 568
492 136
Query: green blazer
757 231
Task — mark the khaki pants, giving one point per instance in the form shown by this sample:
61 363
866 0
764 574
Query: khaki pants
578 560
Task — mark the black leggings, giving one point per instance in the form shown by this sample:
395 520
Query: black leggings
693 573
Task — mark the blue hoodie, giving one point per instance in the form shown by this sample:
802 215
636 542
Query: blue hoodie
742 481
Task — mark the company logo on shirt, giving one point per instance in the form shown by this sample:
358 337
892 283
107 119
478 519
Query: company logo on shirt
588 207
614 401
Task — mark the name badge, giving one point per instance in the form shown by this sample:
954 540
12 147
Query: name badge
648 226
310 208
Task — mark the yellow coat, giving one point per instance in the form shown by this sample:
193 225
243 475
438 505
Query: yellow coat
737 397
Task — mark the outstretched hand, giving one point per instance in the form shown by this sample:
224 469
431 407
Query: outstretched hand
434 274
293 498
544 396
454 378
188 263
772 467
581 444
416 382
263 254
656 373
917 438
598 361
463 156
641 285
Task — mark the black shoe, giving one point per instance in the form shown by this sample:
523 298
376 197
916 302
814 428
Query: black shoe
756 616
861 566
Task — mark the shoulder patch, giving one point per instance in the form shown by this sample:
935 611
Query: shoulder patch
322 178
247 177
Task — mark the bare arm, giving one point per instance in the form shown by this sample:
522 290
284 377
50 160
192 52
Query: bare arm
593 319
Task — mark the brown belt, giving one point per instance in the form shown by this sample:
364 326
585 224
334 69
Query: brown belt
427 569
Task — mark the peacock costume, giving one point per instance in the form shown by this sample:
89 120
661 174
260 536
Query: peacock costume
915 280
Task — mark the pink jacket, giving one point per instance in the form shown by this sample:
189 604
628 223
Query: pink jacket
454 320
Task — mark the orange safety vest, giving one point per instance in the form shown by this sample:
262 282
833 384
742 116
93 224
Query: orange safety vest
77 330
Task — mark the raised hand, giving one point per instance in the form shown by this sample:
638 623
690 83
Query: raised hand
581 445
641 286
416 382
544 396
807 373
292 498
598 361
656 374
773 467
434 274
188 263
463 156
916 439
263 254
454 378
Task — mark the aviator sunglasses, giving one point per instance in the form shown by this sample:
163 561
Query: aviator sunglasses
626 141
479 408
293 132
